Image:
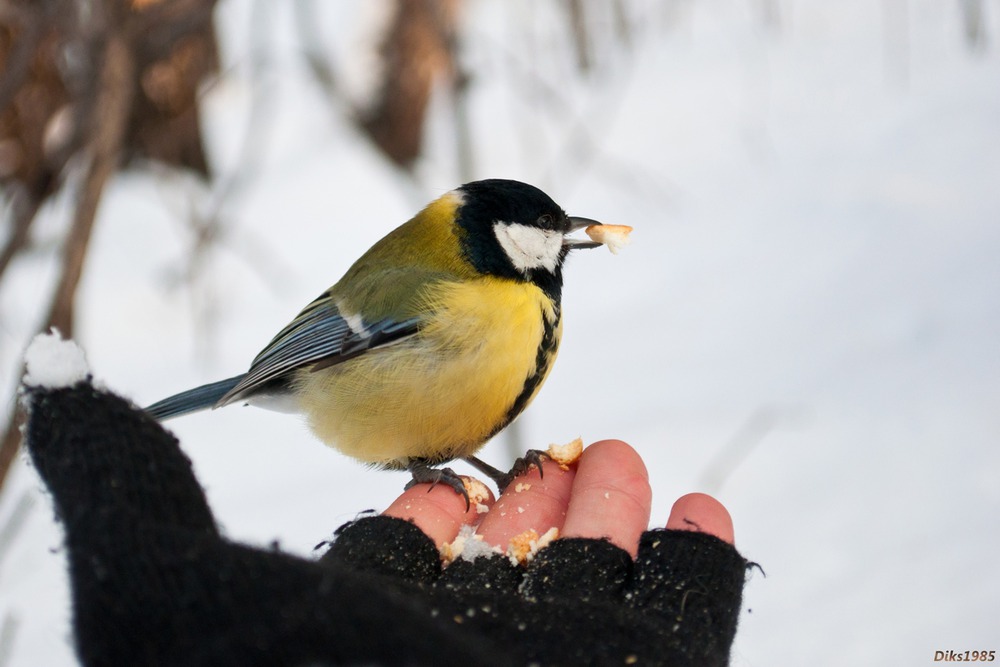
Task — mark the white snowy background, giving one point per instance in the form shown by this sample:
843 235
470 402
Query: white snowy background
807 323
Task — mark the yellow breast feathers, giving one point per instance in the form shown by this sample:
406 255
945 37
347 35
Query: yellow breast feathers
476 363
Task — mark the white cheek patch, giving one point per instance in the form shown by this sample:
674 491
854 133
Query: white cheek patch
529 247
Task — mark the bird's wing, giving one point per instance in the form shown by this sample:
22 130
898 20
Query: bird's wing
320 336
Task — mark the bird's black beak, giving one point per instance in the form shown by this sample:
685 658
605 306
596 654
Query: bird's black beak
577 223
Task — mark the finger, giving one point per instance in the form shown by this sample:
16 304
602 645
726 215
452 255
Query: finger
531 502
702 513
439 511
611 496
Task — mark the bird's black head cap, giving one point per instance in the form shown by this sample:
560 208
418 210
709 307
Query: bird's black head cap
514 230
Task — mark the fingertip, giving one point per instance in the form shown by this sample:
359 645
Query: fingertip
622 455
534 500
611 495
702 513
618 451
439 510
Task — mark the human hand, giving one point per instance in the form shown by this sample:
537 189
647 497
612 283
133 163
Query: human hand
606 494
128 499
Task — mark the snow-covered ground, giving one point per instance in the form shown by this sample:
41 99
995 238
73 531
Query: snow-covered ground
807 323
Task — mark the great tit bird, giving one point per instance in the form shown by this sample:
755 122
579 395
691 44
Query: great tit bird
433 341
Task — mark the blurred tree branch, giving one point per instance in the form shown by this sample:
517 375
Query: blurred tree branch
974 25
415 52
95 87
103 152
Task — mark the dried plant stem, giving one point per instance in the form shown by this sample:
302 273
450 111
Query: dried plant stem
23 214
108 121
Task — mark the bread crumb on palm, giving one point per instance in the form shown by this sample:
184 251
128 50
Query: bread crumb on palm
479 493
467 546
523 547
566 455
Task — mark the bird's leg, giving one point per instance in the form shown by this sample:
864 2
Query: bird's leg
532 457
502 479
422 473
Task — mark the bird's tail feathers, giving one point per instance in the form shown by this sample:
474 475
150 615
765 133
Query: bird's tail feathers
192 400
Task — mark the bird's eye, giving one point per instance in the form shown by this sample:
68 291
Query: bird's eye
545 222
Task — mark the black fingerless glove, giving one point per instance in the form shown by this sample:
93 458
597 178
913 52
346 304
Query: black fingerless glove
580 601
154 583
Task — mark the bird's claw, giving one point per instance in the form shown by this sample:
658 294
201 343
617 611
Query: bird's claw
424 474
522 464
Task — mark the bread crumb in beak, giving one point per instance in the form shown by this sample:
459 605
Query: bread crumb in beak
615 237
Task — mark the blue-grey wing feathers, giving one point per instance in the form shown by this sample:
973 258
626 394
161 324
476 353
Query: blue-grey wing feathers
192 400
319 337
318 332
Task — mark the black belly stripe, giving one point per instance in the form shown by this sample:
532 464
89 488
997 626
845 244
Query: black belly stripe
547 349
